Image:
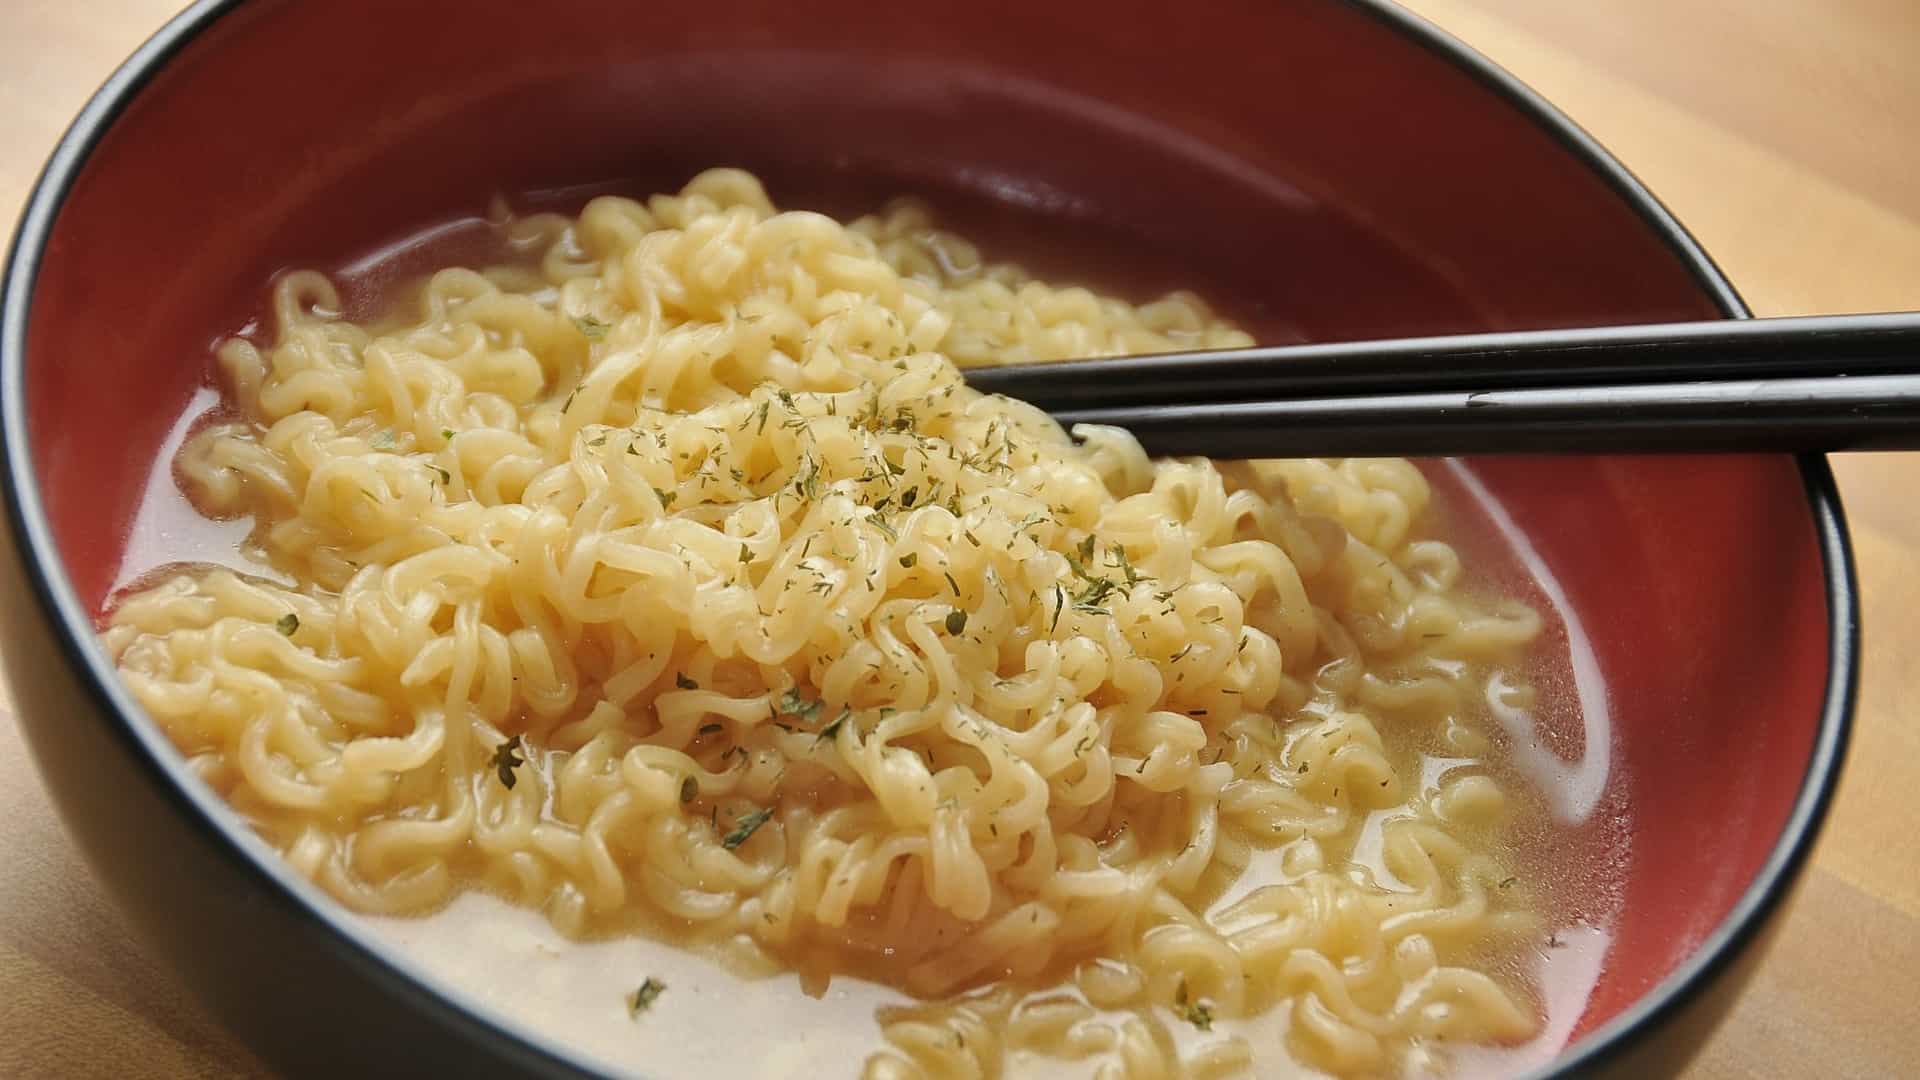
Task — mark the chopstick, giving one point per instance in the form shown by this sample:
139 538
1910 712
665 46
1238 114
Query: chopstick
1662 352
1805 384
1866 412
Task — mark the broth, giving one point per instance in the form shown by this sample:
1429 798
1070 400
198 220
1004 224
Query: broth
1569 847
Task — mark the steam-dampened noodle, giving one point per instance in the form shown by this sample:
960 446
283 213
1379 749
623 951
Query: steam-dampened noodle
671 581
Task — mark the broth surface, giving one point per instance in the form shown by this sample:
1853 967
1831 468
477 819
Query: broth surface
1552 762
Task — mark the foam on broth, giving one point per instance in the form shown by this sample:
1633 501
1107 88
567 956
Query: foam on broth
1555 764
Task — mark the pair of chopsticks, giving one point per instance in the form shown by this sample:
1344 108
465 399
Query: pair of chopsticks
1803 384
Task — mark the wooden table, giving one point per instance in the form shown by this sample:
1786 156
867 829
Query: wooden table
1785 133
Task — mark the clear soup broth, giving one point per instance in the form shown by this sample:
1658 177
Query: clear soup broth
1503 755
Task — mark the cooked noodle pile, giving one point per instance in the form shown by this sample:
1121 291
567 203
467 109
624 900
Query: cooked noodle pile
670 578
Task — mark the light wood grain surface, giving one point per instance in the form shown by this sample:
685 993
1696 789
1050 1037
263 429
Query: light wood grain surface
1785 133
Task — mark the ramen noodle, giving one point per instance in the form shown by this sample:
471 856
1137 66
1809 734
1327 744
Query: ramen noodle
668 578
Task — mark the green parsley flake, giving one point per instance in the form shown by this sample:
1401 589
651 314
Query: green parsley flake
288 624
797 705
590 328
643 998
1195 1012
506 758
833 729
745 827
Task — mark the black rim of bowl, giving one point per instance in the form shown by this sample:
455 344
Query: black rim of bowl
59 604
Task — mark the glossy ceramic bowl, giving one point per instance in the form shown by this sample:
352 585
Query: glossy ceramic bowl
1333 169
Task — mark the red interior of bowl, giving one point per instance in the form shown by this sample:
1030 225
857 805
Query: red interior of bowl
1320 173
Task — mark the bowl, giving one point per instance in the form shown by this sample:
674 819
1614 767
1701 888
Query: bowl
1329 169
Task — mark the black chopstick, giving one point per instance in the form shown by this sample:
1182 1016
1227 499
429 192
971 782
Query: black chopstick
1849 382
1865 412
1671 352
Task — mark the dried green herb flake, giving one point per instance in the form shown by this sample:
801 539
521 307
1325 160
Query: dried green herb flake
506 758
643 998
745 827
